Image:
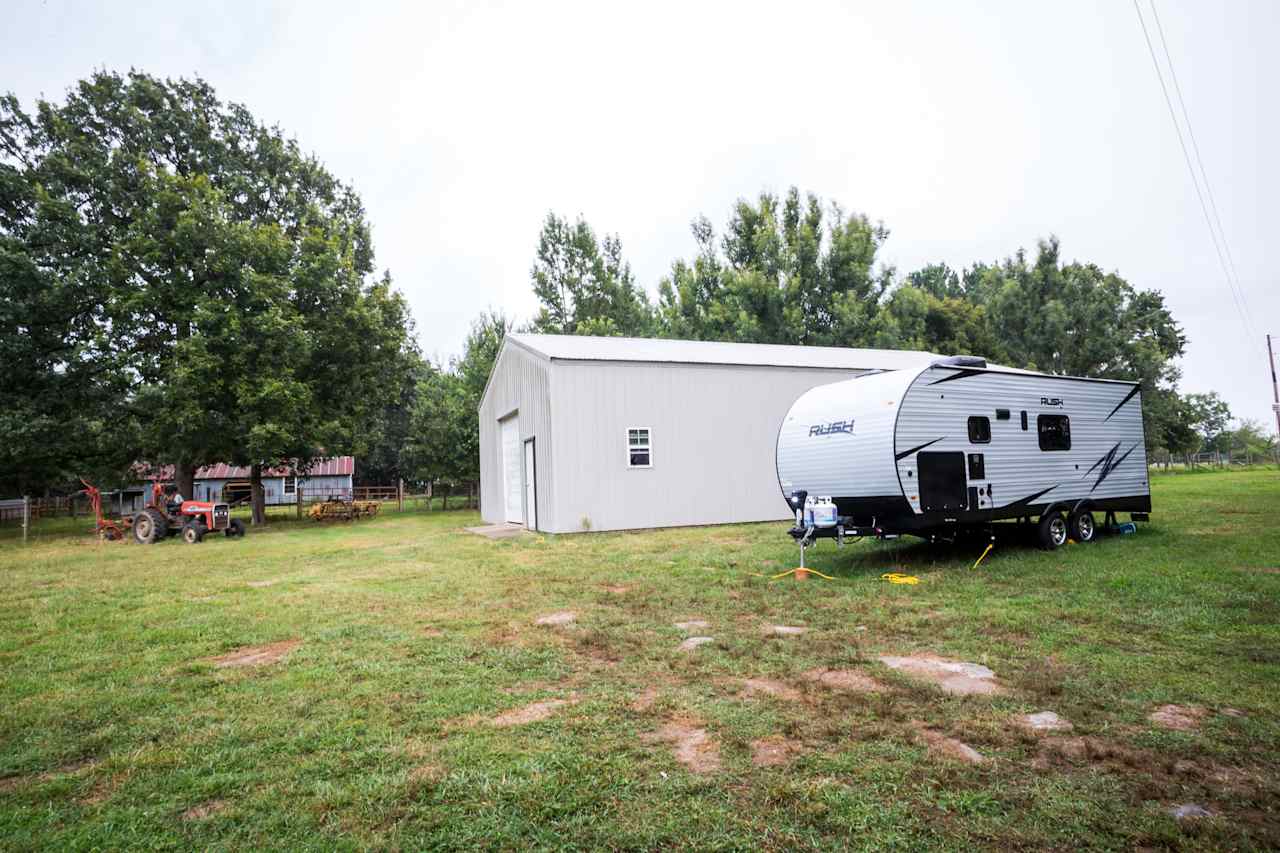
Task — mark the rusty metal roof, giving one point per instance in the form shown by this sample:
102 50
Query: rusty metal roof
330 466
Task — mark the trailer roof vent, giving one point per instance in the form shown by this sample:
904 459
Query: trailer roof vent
960 361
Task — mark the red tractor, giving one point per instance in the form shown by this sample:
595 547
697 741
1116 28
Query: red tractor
193 519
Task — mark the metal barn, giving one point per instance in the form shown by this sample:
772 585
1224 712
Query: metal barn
583 433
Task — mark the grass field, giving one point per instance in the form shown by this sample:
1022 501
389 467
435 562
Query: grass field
405 697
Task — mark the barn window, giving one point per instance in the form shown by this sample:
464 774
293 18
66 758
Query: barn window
290 485
979 429
1055 432
639 450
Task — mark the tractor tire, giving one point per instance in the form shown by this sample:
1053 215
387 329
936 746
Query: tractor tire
150 526
193 532
235 529
1052 531
1081 527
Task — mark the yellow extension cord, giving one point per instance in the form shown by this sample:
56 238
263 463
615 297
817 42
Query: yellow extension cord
798 569
897 577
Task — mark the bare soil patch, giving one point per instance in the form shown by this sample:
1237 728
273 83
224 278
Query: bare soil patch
1178 718
256 655
845 679
947 747
769 687
645 699
261 584
616 588
426 773
693 625
1041 722
204 810
1190 811
560 617
787 630
772 751
693 643
955 677
693 746
431 632
533 713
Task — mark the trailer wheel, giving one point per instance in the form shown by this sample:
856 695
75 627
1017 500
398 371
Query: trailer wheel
193 532
234 529
1081 526
1052 530
149 526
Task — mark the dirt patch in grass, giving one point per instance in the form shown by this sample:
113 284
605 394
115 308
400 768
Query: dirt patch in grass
9 783
772 751
560 617
1178 718
261 584
255 655
533 713
432 633
645 699
205 810
786 630
694 642
769 687
845 679
616 588
956 677
1041 722
692 625
426 773
693 746
946 747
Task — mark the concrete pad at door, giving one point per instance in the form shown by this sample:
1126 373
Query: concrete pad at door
496 531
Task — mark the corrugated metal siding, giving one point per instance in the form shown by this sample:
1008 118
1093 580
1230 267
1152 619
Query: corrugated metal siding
520 382
1015 465
853 463
714 431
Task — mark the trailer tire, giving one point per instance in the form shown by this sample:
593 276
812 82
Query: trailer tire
1052 530
193 532
1081 526
150 526
235 529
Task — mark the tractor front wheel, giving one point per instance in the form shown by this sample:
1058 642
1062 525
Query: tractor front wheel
193 532
149 526
235 529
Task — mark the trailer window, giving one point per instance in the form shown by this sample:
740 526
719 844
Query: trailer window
290 485
979 429
1055 432
639 449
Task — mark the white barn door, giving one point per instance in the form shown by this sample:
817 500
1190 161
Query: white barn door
511 480
530 489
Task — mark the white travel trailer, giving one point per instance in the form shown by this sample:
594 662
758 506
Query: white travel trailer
946 449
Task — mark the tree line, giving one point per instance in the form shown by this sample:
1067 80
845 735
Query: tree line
182 284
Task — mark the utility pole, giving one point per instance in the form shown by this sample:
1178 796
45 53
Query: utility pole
1275 389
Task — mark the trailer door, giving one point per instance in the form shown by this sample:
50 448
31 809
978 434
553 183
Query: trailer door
943 485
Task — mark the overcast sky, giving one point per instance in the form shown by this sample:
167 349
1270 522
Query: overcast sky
970 129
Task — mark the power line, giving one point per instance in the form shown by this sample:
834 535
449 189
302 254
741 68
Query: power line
1186 155
1195 147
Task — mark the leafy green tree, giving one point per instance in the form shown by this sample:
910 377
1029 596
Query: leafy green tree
220 271
584 285
1210 417
788 270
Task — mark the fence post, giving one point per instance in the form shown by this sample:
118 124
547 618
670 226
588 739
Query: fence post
297 494
26 517
430 496
400 495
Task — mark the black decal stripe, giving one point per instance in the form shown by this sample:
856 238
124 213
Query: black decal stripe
907 453
1104 460
1133 392
959 374
1029 498
1113 465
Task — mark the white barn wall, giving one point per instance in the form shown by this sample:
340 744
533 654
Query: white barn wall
520 383
713 430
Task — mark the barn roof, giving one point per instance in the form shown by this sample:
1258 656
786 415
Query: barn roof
587 348
332 466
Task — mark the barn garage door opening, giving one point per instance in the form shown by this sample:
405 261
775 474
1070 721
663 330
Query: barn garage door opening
512 464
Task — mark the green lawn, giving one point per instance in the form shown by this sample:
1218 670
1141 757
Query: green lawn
377 729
